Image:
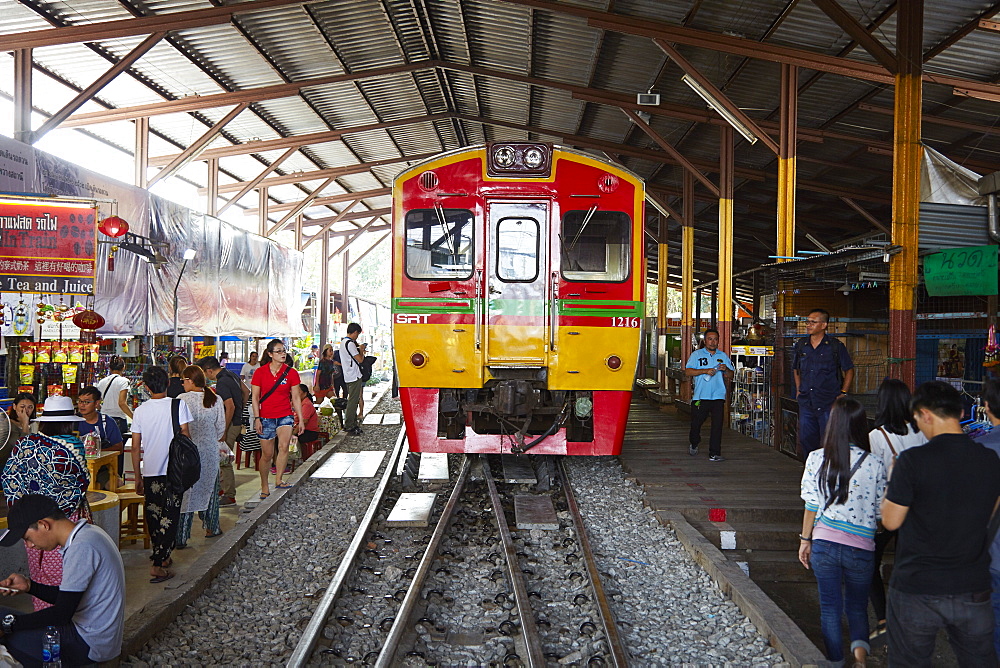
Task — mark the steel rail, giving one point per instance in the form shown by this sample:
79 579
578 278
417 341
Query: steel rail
529 630
310 635
387 656
618 653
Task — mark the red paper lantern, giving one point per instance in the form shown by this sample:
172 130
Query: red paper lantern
113 226
88 320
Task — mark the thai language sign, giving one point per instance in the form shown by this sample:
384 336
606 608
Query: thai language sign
47 246
961 271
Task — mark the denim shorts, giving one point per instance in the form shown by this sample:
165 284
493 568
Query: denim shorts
270 426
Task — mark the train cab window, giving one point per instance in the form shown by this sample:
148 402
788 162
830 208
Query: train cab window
595 245
439 243
517 250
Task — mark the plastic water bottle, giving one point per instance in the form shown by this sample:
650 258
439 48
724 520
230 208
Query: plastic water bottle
50 648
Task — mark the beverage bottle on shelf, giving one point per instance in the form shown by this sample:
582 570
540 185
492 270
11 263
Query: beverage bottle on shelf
50 648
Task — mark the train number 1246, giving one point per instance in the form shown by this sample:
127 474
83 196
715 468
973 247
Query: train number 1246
619 321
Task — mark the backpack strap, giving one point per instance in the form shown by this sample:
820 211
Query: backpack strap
275 386
175 415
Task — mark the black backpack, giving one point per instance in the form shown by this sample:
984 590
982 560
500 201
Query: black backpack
184 464
366 367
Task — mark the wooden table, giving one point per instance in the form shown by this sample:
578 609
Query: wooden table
109 459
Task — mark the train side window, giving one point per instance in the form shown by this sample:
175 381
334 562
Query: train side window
439 243
517 250
595 245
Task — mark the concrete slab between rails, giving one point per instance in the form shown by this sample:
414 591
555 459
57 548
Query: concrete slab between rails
153 617
770 620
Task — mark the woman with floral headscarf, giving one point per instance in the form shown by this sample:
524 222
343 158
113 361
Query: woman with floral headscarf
50 463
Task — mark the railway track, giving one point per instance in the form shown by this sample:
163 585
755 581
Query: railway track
470 589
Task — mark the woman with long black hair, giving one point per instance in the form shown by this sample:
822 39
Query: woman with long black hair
276 403
895 431
842 486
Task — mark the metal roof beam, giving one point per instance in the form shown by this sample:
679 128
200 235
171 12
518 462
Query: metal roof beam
333 221
300 140
309 222
58 118
370 249
198 102
858 33
254 182
324 201
315 175
299 206
672 152
645 27
357 234
196 148
719 96
104 30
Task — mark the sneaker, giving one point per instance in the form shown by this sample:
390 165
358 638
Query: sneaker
274 470
716 458
225 502
692 450
879 636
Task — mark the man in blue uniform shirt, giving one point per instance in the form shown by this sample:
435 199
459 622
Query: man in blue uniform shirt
823 371
709 368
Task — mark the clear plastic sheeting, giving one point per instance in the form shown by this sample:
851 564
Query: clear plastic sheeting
943 181
238 284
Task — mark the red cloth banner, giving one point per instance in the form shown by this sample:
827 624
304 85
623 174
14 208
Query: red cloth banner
47 246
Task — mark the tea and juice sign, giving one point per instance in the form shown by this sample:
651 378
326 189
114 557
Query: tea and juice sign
47 246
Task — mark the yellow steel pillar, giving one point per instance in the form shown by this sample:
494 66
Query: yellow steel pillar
786 161
907 154
724 310
687 279
662 272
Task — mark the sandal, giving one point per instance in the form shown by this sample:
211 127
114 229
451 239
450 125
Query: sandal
157 579
284 485
264 496
213 535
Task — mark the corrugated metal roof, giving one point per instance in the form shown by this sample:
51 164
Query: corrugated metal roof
952 226
298 42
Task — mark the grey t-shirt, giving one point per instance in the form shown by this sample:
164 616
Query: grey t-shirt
93 565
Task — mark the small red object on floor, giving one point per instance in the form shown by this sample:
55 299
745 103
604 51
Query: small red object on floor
716 514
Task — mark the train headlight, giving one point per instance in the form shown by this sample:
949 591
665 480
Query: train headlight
614 362
418 359
504 156
533 158
519 159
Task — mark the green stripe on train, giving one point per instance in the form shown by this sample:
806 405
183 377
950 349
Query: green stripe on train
431 305
522 307
612 307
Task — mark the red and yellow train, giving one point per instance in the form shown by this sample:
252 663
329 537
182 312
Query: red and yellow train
518 297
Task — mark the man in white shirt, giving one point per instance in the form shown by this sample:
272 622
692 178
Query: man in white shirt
89 603
114 394
351 357
152 431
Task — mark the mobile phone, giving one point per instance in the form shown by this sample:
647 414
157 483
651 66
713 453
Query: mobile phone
13 591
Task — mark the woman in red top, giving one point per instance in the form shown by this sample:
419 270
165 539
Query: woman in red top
309 415
276 401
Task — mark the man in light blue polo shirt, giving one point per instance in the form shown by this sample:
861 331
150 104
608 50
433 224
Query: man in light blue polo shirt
710 369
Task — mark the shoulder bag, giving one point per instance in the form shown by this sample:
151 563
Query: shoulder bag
275 386
184 462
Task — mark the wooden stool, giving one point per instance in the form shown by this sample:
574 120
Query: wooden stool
133 527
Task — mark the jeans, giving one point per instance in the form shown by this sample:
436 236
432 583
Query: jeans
812 425
269 426
701 409
26 646
353 399
915 619
844 576
995 576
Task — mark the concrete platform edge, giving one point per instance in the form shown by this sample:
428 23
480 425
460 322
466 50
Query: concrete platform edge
770 620
182 590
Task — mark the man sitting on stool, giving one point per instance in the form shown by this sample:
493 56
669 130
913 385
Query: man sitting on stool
89 604
709 369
